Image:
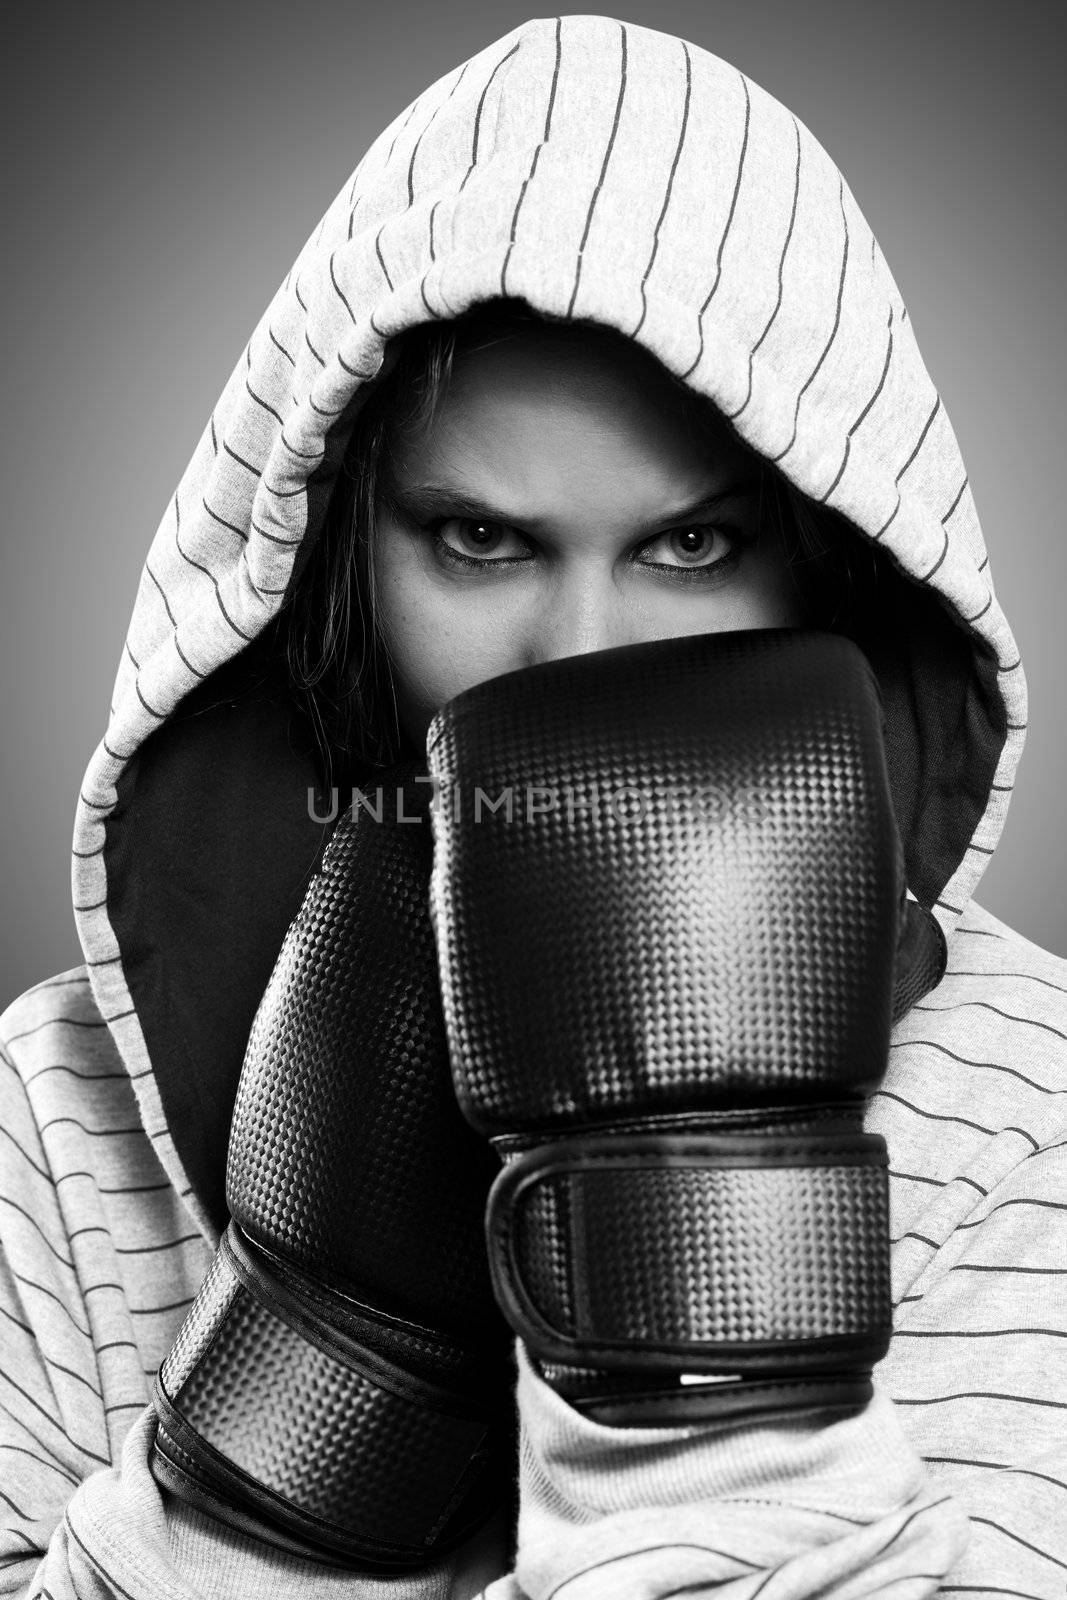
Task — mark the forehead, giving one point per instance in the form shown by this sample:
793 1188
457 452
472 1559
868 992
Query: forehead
545 402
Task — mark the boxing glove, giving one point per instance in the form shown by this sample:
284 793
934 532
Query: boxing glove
341 1386
673 932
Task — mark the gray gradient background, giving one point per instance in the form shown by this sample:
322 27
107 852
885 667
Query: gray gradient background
163 164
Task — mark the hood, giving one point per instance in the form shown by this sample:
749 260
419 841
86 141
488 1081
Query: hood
599 171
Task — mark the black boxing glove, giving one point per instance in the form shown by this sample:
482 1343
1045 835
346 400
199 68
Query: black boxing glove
341 1386
673 933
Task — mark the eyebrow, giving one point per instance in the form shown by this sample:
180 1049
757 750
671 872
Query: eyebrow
433 499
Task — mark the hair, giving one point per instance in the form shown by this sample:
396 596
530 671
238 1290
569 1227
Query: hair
328 639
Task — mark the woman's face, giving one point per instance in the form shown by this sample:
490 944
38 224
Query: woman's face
561 503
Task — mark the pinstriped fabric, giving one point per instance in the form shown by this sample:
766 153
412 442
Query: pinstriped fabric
974 1112
98 1258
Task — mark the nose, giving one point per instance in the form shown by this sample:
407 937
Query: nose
583 612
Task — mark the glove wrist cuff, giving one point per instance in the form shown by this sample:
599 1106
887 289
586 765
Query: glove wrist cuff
739 1254
292 1419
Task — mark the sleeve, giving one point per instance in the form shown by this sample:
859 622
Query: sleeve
53 1422
840 1510
974 1115
978 1370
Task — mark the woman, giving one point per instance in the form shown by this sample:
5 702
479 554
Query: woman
706 412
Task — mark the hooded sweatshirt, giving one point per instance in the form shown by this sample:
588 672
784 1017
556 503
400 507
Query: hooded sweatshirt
601 171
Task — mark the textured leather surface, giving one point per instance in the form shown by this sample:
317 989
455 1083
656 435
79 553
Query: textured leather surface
347 1152
922 955
688 919
345 1373
715 913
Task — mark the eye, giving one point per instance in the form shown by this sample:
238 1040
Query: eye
693 547
477 543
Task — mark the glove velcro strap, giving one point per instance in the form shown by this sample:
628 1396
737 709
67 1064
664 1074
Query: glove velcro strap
291 1419
696 1253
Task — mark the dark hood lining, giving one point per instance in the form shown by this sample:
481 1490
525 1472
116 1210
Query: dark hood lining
945 725
212 845
208 857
